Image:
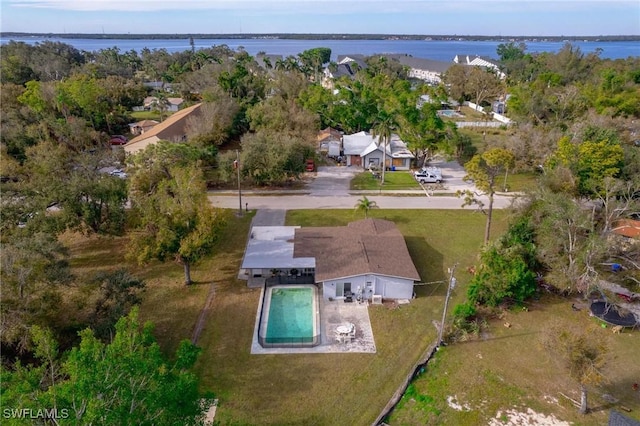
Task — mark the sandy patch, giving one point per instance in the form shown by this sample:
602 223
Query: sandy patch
517 418
452 401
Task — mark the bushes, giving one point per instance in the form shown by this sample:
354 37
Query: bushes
502 277
506 270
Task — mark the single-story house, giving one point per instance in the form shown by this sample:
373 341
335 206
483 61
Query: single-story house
269 253
172 104
172 129
330 142
365 259
141 127
363 150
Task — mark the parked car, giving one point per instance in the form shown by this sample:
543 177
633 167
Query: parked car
118 173
428 175
310 165
118 140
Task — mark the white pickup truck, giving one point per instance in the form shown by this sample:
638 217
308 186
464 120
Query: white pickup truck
428 175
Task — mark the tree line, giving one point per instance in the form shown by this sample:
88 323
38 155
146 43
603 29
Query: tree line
575 118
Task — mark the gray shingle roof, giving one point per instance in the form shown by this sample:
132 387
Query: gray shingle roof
619 419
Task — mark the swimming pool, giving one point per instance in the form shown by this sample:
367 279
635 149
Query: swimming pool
450 113
290 317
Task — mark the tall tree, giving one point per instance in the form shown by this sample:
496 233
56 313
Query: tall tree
383 128
483 170
169 193
33 268
313 59
590 161
566 242
69 175
270 158
127 381
119 291
483 85
582 352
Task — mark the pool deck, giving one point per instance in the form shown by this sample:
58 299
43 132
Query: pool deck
332 315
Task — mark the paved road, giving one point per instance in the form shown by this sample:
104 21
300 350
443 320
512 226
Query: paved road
306 202
328 188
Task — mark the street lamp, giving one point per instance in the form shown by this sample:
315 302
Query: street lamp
236 165
450 285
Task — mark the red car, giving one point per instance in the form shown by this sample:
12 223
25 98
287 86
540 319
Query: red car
310 165
118 140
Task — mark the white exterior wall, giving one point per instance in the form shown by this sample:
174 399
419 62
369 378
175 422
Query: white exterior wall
394 288
373 155
428 76
387 287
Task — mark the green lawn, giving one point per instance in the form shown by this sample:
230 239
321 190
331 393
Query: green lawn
351 389
392 181
518 182
146 115
328 389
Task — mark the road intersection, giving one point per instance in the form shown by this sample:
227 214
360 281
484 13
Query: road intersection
328 188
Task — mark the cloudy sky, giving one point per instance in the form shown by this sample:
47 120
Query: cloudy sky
462 17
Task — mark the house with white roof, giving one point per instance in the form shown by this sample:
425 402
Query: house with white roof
479 61
364 150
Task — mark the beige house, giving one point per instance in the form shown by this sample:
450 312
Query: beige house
173 129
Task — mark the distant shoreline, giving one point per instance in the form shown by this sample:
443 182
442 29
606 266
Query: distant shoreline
283 36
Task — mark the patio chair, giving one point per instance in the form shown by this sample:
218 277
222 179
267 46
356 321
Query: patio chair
348 297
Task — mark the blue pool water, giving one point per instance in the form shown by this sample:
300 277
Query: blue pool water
291 313
450 113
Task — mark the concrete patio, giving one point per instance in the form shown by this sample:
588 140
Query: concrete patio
332 315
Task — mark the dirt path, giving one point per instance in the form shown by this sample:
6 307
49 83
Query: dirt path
203 314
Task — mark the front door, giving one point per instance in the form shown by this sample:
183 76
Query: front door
342 288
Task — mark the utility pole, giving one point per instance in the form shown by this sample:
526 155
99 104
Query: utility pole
236 164
450 285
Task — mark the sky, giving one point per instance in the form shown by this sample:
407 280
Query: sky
428 17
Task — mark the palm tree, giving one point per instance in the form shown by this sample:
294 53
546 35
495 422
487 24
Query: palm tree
160 104
365 205
382 129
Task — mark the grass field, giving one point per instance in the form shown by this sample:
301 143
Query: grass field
518 182
147 115
392 181
508 369
328 389
349 389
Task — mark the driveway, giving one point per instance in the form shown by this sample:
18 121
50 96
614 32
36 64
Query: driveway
332 181
452 173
